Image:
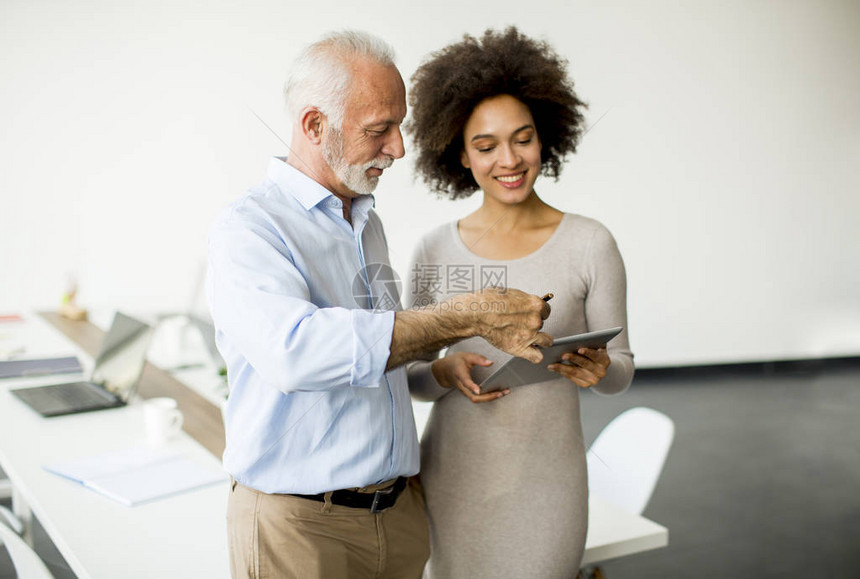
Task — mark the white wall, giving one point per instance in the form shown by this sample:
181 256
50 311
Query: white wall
725 164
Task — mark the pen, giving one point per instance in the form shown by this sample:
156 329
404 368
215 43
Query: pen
547 297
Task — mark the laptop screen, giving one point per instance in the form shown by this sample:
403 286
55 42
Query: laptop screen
122 356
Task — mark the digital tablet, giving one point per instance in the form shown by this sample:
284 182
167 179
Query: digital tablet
519 371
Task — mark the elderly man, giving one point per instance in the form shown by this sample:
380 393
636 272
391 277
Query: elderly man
321 440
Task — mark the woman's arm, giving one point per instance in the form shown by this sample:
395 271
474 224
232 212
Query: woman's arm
606 307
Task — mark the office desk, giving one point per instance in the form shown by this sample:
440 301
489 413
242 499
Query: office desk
181 536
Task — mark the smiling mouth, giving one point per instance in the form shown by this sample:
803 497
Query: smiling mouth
511 179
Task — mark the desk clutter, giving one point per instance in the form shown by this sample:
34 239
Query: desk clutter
137 475
69 307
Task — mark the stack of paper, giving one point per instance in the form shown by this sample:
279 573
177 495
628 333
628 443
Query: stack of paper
136 475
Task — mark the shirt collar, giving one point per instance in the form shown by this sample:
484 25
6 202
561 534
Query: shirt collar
307 191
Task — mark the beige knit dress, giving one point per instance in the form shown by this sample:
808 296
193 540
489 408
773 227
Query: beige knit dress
505 481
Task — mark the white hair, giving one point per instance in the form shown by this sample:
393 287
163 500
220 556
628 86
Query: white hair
321 74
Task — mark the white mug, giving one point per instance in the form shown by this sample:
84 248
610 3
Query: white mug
162 418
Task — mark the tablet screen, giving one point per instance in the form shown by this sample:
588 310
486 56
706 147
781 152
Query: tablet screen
519 371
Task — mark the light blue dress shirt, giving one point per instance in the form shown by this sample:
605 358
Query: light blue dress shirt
311 408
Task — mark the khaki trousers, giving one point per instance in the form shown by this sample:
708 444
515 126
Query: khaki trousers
282 536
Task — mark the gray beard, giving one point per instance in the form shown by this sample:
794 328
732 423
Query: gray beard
353 176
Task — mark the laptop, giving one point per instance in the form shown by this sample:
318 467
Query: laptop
115 376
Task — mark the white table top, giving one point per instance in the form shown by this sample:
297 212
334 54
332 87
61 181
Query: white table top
613 532
179 536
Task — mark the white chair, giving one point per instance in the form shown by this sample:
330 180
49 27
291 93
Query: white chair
626 459
27 563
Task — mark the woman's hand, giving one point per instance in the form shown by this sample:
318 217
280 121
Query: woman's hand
586 367
455 370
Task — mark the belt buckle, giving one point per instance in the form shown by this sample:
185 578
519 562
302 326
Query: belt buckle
377 495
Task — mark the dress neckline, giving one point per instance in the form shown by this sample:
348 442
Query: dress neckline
458 241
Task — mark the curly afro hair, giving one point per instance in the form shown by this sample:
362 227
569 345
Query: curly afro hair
447 87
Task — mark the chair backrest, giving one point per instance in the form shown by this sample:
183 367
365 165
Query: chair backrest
627 457
27 563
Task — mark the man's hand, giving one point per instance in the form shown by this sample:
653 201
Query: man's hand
454 370
510 320
585 367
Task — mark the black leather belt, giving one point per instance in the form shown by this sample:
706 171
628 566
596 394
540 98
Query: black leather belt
376 501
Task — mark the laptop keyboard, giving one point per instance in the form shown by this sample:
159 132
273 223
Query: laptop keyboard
77 395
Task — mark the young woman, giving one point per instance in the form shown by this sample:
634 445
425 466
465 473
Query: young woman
505 481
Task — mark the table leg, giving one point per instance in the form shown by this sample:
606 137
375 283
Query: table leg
22 510
5 488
